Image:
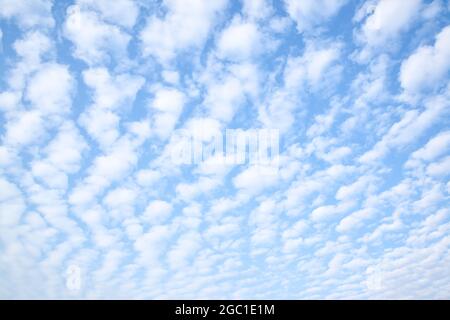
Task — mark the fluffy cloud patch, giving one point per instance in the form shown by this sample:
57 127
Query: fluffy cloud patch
428 65
186 25
309 14
95 41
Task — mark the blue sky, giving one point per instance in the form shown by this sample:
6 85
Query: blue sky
93 95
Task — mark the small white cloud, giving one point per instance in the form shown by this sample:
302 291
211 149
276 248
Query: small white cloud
428 66
123 12
9 101
257 9
308 14
383 24
96 41
50 89
112 94
411 126
186 25
168 104
33 46
435 147
355 220
185 248
65 150
25 128
254 179
11 204
157 211
189 191
120 197
170 76
239 41
147 178
28 13
112 91
439 169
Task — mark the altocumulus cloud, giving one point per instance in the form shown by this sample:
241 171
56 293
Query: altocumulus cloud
93 95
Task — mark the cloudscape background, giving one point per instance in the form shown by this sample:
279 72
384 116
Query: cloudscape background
91 92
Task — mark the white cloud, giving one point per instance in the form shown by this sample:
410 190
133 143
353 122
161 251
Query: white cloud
189 191
355 189
33 46
112 93
51 176
308 14
296 230
328 212
435 147
222 206
147 178
439 169
257 9
115 163
170 76
335 264
255 179
123 12
121 202
264 215
8 157
337 154
218 233
294 237
9 101
430 198
11 204
133 228
86 177
411 126
152 244
428 65
263 236
224 98
26 127
157 211
393 224
227 91
105 169
186 25
355 220
386 19
104 129
300 191
65 150
28 13
50 89
239 41
184 249
96 42
312 66
168 104
120 197
316 69
399 269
